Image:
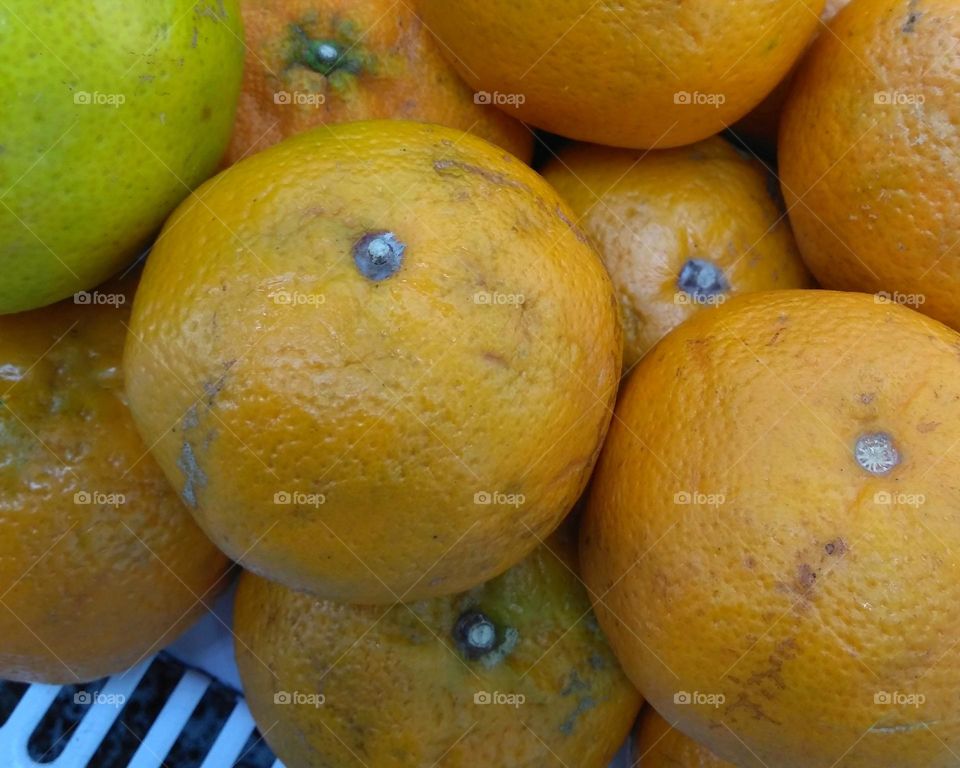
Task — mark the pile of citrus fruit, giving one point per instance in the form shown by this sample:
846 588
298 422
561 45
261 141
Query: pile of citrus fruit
554 374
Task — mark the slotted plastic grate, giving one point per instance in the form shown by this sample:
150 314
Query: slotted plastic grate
73 727
44 730
180 709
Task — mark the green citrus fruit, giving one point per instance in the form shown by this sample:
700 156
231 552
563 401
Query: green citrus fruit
111 114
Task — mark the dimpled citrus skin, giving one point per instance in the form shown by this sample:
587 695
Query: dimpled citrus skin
86 589
871 187
610 73
761 125
657 745
399 691
483 370
650 213
796 585
389 66
85 185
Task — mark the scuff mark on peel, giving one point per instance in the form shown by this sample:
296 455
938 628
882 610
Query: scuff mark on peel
194 476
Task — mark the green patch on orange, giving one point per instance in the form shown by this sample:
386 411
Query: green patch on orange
338 56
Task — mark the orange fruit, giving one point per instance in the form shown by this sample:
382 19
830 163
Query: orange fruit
112 113
512 673
679 230
831 9
377 360
313 62
769 531
869 154
761 125
646 73
100 563
657 745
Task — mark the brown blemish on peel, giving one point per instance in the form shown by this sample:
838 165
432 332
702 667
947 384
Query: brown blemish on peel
913 16
493 357
767 682
836 547
755 710
806 577
446 166
803 582
772 674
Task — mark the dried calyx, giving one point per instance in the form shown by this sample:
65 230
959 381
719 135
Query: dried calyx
475 634
325 55
702 279
378 255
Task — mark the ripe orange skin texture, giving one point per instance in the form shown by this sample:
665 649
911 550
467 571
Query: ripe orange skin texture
86 590
761 125
800 595
871 188
397 400
648 213
657 745
399 692
391 68
610 75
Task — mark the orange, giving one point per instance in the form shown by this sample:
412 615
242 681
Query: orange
761 125
377 360
100 563
657 745
769 533
831 9
512 673
679 230
869 154
313 62
112 112
644 73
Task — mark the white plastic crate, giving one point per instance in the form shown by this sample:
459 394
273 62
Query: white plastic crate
206 653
